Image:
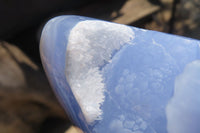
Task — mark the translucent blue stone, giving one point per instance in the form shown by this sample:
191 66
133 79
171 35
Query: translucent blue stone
112 78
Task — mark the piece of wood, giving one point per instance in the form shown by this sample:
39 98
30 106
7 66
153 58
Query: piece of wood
134 10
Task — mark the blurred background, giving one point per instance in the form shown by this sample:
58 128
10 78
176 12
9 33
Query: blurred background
27 103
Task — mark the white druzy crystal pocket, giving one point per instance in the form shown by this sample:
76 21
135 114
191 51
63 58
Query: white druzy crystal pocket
91 44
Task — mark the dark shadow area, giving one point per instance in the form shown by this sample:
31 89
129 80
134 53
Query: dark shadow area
26 36
104 9
22 21
155 2
28 42
173 17
18 15
195 32
54 125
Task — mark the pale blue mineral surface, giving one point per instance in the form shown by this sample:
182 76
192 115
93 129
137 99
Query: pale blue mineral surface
112 78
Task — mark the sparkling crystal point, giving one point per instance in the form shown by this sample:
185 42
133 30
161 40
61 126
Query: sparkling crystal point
112 78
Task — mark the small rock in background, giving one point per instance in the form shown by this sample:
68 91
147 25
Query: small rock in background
160 20
27 103
186 21
188 18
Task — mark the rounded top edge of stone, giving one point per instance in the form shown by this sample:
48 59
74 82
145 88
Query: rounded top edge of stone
58 22
60 17
75 18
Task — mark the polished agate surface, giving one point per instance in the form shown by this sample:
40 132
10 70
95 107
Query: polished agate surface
112 78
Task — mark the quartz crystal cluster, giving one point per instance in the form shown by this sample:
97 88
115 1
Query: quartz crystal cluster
114 78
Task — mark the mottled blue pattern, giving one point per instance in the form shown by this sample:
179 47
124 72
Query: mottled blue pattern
140 81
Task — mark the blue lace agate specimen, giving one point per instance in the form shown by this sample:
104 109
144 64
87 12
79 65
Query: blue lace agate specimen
112 78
